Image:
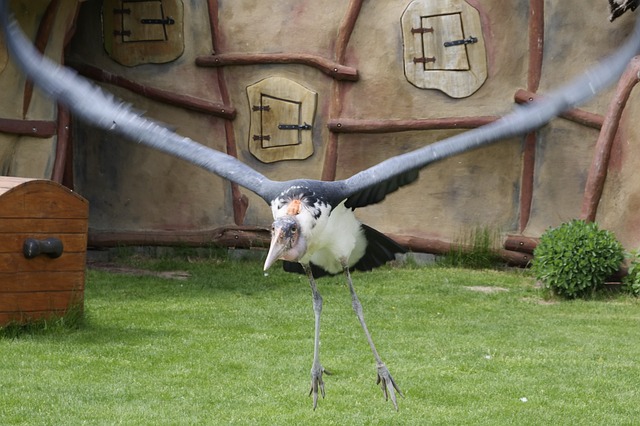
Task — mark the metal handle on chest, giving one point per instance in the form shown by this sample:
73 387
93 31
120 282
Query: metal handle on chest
52 247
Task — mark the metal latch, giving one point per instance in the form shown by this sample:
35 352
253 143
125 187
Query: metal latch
304 126
167 21
469 40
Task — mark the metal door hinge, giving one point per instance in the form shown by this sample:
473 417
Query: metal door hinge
421 30
424 60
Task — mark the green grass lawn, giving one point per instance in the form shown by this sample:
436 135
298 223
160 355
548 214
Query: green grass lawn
230 345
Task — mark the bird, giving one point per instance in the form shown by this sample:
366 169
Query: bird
315 230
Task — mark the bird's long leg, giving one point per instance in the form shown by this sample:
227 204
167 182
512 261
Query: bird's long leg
316 368
388 385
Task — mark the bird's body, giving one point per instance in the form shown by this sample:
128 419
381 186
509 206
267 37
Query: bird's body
314 229
330 232
336 234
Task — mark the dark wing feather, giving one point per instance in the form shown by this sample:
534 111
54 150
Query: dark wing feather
376 193
103 110
297 268
373 184
380 250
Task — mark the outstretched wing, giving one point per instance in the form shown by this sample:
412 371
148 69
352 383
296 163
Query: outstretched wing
105 111
367 187
373 184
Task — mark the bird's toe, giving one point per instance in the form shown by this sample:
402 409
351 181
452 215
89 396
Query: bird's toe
317 384
388 385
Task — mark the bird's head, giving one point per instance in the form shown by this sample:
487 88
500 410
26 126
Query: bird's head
287 241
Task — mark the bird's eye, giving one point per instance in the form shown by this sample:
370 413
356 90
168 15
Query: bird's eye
294 229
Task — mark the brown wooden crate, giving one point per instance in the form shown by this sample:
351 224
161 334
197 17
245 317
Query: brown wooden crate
72 243
25 282
39 301
52 225
42 199
15 262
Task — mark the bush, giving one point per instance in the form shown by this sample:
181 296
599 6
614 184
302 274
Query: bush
631 282
575 259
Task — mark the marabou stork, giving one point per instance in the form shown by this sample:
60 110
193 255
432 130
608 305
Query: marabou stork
314 225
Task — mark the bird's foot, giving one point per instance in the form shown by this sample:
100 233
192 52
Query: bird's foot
316 382
388 385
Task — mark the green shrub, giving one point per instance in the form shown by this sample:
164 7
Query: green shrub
575 259
631 282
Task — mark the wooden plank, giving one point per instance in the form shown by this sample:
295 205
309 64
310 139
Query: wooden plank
40 301
13 242
60 226
15 262
39 281
42 199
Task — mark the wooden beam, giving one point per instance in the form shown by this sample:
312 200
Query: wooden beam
332 69
600 163
227 236
434 246
42 38
536 44
239 201
576 115
36 128
536 55
350 125
527 179
520 243
345 31
62 145
258 237
184 101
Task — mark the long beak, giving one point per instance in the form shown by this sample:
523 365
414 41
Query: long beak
275 250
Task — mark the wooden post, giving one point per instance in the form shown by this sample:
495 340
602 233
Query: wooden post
599 165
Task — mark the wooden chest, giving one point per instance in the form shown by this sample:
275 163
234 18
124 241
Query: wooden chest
43 240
